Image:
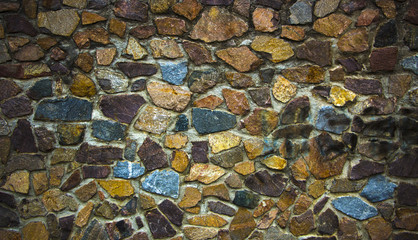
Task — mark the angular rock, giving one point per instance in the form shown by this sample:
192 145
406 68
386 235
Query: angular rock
188 9
84 215
67 109
364 169
327 222
159 225
174 73
132 69
207 121
19 24
283 90
200 152
300 12
55 200
105 56
176 141
350 64
61 22
182 123
236 101
220 191
35 230
375 106
119 189
165 182
354 41
108 130
242 224
294 131
221 208
70 134
329 120
210 220
296 111
17 182
261 121
117 27
378 189
24 70
384 59
333 25
388 7
107 210
152 155
161 6
210 102
316 51
41 89
261 96
95 230
29 52
169 97
130 208
202 81
132 10
276 49
264 183
354 207
91 18
294 33
72 181
170 26
339 96
120 229
128 170
199 233
172 212
143 32
191 198
85 62
138 85
197 52
367 17
305 74
386 35
98 155
377 150
239 80
22 139
31 207
10 89
302 224
165 48
364 86
399 84
235 57
153 119
410 63
325 7
407 194
378 228
302 204
87 191
345 186
204 173
406 219
83 86
16 107
122 108
265 20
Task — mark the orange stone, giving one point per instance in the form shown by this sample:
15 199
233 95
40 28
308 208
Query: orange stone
85 62
367 17
287 198
388 7
188 9
83 86
294 33
332 25
179 160
90 18
210 220
191 198
40 182
240 58
84 215
220 191
261 121
317 188
35 231
263 207
210 102
176 141
265 20
117 27
46 42
299 170
205 173
245 168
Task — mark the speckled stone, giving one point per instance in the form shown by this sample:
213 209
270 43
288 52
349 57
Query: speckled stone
354 207
205 173
98 155
261 121
17 107
67 109
301 12
378 189
277 49
305 74
265 20
207 121
332 25
153 119
165 182
62 22
128 170
152 155
242 224
70 134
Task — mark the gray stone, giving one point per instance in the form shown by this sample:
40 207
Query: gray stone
128 170
301 12
165 182
228 158
108 130
354 207
378 189
329 120
67 109
207 121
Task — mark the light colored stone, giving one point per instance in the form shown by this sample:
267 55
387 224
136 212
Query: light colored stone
294 33
17 182
333 25
135 49
265 20
340 96
176 141
62 22
168 96
84 215
210 220
245 168
278 49
165 48
105 56
40 182
75 3
317 188
267 219
153 119
305 74
205 173
240 58
117 188
284 90
199 233
275 162
325 7
191 198
223 141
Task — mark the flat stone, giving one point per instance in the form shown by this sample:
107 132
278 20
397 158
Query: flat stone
134 49
305 74
354 207
233 181
119 189
202 81
200 151
176 141
108 130
300 12
55 175
95 230
388 7
8 200
182 123
364 169
120 229
18 24
336 74
105 56
130 208
138 85
111 106
264 183
350 64
355 40
236 101
244 198
287 198
348 229
91 18
83 86
274 162
367 17
294 131
46 42
152 155
204 173
179 160
172 212
399 84
161 6
85 62
169 97
345 185
296 111
61 22
325 7
239 80
275 4
221 208
277 49
327 222
284 90
220 191
302 224
245 168
67 109
84 215
235 57
374 106
174 73
87 191
261 121
146 201
25 162
188 9
223 141
153 119
378 228
261 96
332 25
339 96
159 225
390 54
132 10
294 33
242 224
407 194
24 70
98 155
117 27
5 145
317 188
11 89
191 198
381 127
22 139
210 102
72 181
10 234
267 219
349 6
170 26
302 204
377 150
41 89
404 235
9 6
207 121
30 52
128 170
211 26
167 48
329 120
315 51
199 233
17 107
299 170
265 20
406 219
210 220
197 52
378 189
55 200
31 208
35 230
111 81
143 32
263 207
386 35
58 54
70 134
133 69
165 182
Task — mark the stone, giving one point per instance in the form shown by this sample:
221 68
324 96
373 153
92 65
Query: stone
349 6
325 7
18 24
160 6
176 141
8 218
265 20
169 97
296 111
210 220
386 35
10 88
236 101
22 139
55 200
72 181
61 22
134 49
197 52
245 168
261 96
146 201
389 54
235 57
350 64
233 181
364 169
375 106
264 183
4 149
406 194
294 33
170 26
336 74
75 3
16 107
98 155
83 86
84 215
132 10
329 120
41 89
10 234
345 186
202 81
207 121
332 25
411 15
267 219
174 73
378 228
159 225
119 189
210 102
242 7
182 123
305 74
211 26
276 49
105 56
133 69
367 17
327 222
388 7
165 182
315 51
138 85
29 52
302 204
199 233
204 173
348 229
200 152
31 208
378 189
410 63
299 170
354 207
108 130
172 212
242 224
302 224
275 162
120 229
223 141
70 134
87 191
91 18
66 109
340 96
191 198
239 80
399 84
188 9
9 6
261 121
300 12
217 2
221 208
266 75
220 191
165 48
153 119
96 171
317 188
25 162
35 230
128 170
117 27
46 42
111 106
244 198
55 175
152 155
404 236
283 90
130 208
287 198
406 219
95 230
377 150
85 62
63 155
355 40
263 207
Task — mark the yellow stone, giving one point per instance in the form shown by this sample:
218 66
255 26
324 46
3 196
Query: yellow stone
340 96
179 161
332 25
176 141
105 56
84 215
55 175
279 49
90 18
146 201
40 182
245 168
299 170
117 188
205 173
191 198
254 147
35 231
223 141
194 210
317 188
17 182
210 220
275 162
83 86
135 49
35 69
283 89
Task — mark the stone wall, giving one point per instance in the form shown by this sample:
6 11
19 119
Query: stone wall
200 119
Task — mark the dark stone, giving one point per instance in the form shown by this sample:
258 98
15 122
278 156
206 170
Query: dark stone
364 86
221 208
97 4
67 109
8 200
122 108
350 64
70 134
405 235
200 152
95 171
315 51
7 6
244 198
377 150
322 91
52 226
412 14
266 75
22 139
172 212
31 208
408 131
159 225
95 230
143 32
357 125
386 35
383 127
302 224
41 89
130 150
59 69
320 238
294 131
217 2
229 158
384 59
197 53
329 120
20 70
72 181
17 107
261 96
275 4
386 210
98 155
207 121
296 111
327 222
8 218
202 81
107 210
66 224
19 24
45 138
411 112
350 140
407 194
139 85
365 169
375 106
130 207
344 185
25 162
139 222
51 4
152 155
9 89
108 130
350 6
320 205
132 69
405 165
120 229
131 9
264 183
182 123
411 37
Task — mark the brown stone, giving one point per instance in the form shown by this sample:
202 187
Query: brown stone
236 101
220 191
399 84
261 121
210 220
199 233
305 74
317 188
170 26
245 168
72 181
29 52
99 35
83 86
153 119
241 58
152 155
210 102
84 215
161 6
263 207
1 32
117 27
302 204
16 42
367 17
55 200
35 231
384 59
294 33
287 198
61 22
10 234
87 191
146 201
165 48
242 224
40 182
131 9
316 51
302 224
336 74
267 219
105 56
168 96
242 7
4 149
374 106
325 7
261 96
176 141
7 6
17 182
332 25
379 229
265 20
406 218
348 229
142 32
188 8
191 198
354 41
388 7
197 52
46 42
239 80
412 14
90 18
58 54
85 62
97 155
212 26
55 175
283 218
233 181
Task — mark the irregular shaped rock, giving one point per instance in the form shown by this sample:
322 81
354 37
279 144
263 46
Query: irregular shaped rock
41 89
261 96
333 25
96 171
302 224
165 182
410 63
35 230
325 7
121 108
236 101
172 212
170 26
197 52
95 230
84 215
188 9
174 73
354 41
406 219
91 18
128 170
169 97
265 20
176 141
364 169
330 121
152 155
133 69
62 22
296 111
160 6
327 222
191 197
375 106
210 102
274 162
264 183
97 155
390 56
398 85
377 150
294 131
83 86
202 81
239 80
316 51
55 200
132 10
153 119
22 139
236 56
120 229
345 185
117 27
182 123
204 173
367 17
16 107
354 207
378 189
277 49
67 109
378 228
10 89
339 96
221 208
261 121
87 191
305 74
283 90
294 33
29 52
300 12
199 233
386 35
165 48
119 189
210 220
207 121
223 141
242 224
72 181
17 182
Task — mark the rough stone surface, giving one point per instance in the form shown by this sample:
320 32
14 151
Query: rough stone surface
305 74
332 25
240 58
277 49
242 224
354 207
165 182
62 22
169 97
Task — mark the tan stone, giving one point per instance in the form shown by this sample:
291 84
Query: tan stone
284 90
75 3
223 141
62 22
239 80
303 224
10 234
55 175
16 42
188 8
287 198
325 7
284 218
168 96
30 52
302 204
193 210
236 101
83 86
191 198
210 102
117 188
46 42
267 219
340 96
317 188
199 233
205 173
61 155
170 26
379 229
242 224
265 20
85 62
87 191
210 220
332 25
355 40
278 49
55 200
165 48
299 170
220 191
263 207
240 58
161 6
153 119
135 49
179 160
176 141
367 17
84 215
117 27
40 182
388 7
245 168
35 231
90 18
233 181
146 201
105 56
275 162
305 74
17 182
294 33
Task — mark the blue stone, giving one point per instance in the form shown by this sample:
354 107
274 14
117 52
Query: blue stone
40 89
410 63
378 189
67 109
128 170
130 150
208 121
246 199
174 73
165 182
330 121
354 207
108 130
182 123
301 12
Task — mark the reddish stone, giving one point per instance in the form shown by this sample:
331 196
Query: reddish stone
349 6
355 40
29 52
22 139
170 26
367 17
152 155
131 9
98 155
210 102
98 35
261 96
134 69
350 64
316 51
85 62
398 85
261 122
72 181
46 42
9 89
58 54
9 6
265 20
122 108
241 58
143 32
375 106
406 218
236 101
198 53
24 70
294 33
412 14
95 172
383 59
200 152
188 9
363 86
